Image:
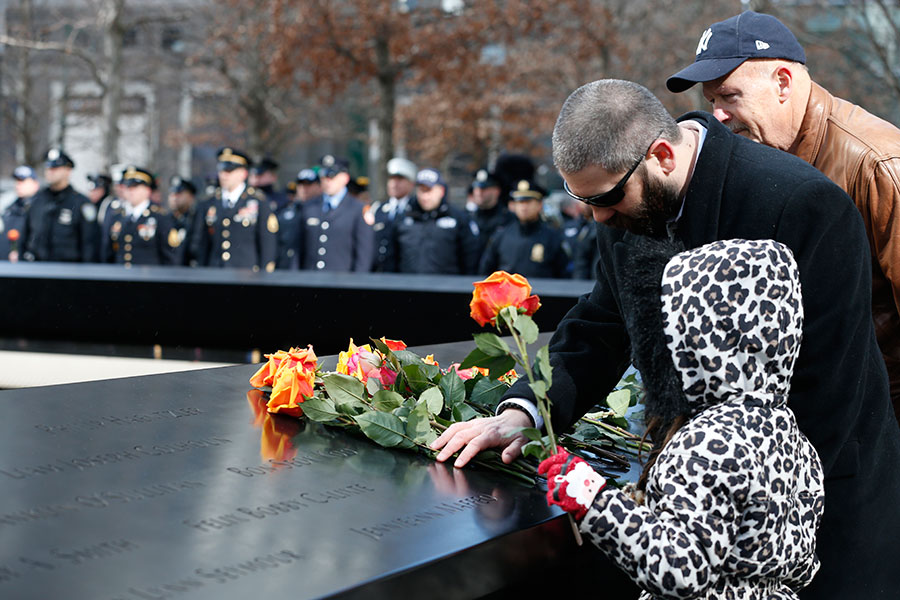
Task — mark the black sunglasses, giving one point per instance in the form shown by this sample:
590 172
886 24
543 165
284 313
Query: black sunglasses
615 195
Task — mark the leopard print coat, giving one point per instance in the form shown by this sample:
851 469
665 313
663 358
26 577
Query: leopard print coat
734 499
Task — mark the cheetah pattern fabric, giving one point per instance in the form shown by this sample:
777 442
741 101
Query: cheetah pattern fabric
733 501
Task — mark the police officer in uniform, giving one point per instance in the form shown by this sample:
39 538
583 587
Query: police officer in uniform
12 222
336 236
432 236
401 184
490 213
236 226
529 247
308 185
290 234
264 177
182 202
144 234
61 224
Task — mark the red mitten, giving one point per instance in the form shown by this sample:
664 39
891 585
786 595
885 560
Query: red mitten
571 483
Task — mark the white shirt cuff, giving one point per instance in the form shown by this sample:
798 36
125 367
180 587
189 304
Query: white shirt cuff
526 405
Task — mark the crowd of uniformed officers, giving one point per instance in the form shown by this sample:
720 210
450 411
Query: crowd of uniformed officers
322 221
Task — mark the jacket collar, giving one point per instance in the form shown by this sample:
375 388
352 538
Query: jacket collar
699 223
812 128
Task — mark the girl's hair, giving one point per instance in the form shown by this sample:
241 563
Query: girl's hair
660 437
666 408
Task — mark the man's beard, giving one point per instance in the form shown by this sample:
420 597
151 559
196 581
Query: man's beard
659 204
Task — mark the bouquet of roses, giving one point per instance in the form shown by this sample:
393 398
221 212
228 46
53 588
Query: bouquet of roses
399 399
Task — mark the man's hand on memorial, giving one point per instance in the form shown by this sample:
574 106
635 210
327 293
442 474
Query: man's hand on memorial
483 433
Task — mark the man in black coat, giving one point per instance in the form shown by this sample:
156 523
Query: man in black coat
61 224
335 234
145 234
235 228
619 150
432 236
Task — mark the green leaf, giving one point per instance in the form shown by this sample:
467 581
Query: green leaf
319 409
535 449
386 400
383 428
453 388
433 400
373 386
382 347
527 328
531 433
487 393
417 375
418 425
619 401
539 388
345 390
463 412
491 344
542 362
474 359
407 358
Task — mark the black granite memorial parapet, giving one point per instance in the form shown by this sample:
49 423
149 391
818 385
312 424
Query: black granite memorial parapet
241 310
182 486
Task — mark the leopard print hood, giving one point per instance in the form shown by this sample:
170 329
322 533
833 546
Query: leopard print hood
733 318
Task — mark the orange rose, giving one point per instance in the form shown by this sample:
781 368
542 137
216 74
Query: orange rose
292 386
499 291
267 373
13 235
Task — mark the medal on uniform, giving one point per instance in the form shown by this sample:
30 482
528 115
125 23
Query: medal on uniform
211 216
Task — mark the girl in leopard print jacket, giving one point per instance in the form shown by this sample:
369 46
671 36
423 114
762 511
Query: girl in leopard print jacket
733 493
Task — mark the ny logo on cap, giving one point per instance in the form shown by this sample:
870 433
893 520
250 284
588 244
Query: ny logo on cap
704 41
482 175
328 160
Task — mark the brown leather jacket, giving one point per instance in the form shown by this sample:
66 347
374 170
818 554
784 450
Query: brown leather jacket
861 153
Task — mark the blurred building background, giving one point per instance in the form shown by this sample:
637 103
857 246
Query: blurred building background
448 83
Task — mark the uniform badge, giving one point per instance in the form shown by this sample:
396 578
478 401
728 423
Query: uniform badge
175 237
313 222
89 212
115 230
537 253
272 224
446 223
147 230
211 216
378 226
65 217
473 226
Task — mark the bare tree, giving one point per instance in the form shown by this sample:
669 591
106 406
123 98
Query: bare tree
107 20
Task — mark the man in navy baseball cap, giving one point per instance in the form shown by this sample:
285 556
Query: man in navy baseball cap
754 76
727 44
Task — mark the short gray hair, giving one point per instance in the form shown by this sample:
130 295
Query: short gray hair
609 123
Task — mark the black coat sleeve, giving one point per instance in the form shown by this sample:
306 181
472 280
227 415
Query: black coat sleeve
590 350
